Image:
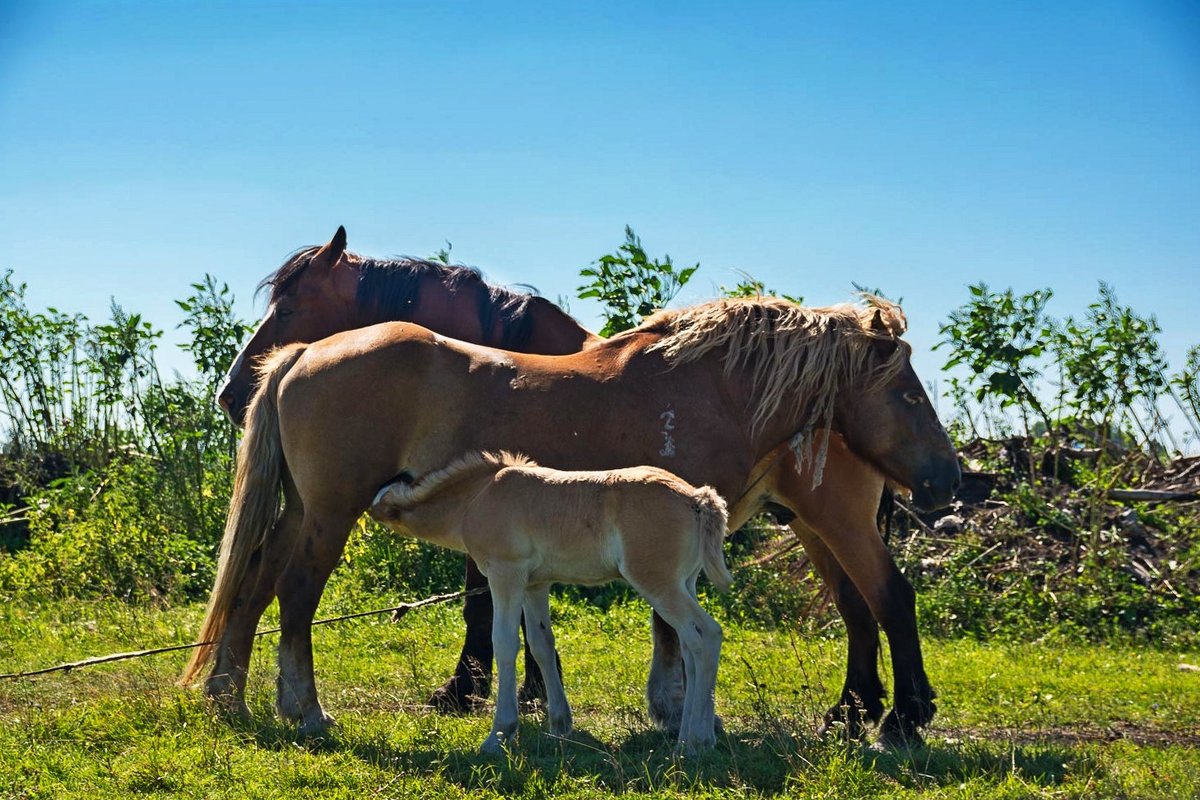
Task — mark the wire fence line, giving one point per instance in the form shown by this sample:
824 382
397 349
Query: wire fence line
397 612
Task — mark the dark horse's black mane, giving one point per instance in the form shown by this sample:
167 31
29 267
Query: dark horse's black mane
388 289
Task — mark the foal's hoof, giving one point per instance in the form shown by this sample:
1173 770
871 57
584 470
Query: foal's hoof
561 725
457 696
498 740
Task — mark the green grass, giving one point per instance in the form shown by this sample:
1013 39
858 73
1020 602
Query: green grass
1053 719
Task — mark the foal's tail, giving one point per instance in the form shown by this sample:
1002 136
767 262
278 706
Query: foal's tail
712 518
254 505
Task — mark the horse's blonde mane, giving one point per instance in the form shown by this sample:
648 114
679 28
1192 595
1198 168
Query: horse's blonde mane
790 350
465 466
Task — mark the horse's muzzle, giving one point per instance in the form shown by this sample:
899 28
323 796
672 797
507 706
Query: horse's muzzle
938 487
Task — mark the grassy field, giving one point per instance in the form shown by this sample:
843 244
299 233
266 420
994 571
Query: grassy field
1049 719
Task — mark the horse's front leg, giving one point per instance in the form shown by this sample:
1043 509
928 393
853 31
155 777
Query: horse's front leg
861 699
883 592
914 705
317 550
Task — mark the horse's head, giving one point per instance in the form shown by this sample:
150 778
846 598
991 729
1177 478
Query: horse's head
312 296
889 421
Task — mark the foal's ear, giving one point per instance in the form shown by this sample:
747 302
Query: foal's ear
329 254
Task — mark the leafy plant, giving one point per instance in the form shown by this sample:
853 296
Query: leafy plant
1000 337
630 285
749 286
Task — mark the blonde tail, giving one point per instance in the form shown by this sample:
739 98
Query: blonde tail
713 518
253 507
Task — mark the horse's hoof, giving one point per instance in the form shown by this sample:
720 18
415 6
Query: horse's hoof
847 722
316 726
531 695
449 698
225 699
491 746
895 736
561 726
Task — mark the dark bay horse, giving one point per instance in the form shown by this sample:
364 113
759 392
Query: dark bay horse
735 378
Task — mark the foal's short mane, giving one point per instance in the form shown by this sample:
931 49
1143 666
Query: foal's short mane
389 288
465 466
789 350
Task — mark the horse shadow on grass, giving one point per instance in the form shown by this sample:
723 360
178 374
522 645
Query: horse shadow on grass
770 759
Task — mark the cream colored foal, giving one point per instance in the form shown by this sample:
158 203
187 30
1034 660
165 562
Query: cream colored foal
528 526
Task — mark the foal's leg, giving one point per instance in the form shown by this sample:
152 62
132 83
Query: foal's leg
472 678
539 637
862 694
700 636
508 594
321 539
226 684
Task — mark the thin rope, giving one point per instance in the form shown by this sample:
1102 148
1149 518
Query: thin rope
396 611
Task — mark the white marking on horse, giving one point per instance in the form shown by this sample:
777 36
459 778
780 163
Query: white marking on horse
668 418
241 357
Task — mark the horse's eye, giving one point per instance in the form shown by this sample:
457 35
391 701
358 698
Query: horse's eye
283 313
913 398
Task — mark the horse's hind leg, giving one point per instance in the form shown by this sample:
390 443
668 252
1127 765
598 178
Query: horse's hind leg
665 686
861 699
539 637
317 549
226 684
472 678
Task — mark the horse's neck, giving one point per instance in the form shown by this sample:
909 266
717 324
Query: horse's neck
734 390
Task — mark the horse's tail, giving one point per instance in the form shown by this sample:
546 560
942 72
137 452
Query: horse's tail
254 505
712 518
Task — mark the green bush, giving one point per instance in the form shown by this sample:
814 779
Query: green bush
110 537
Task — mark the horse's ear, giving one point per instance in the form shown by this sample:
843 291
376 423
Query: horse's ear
888 321
329 254
877 323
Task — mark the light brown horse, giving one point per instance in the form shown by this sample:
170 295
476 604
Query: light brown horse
706 392
528 526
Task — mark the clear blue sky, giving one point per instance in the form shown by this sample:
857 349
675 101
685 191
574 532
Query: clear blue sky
916 147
